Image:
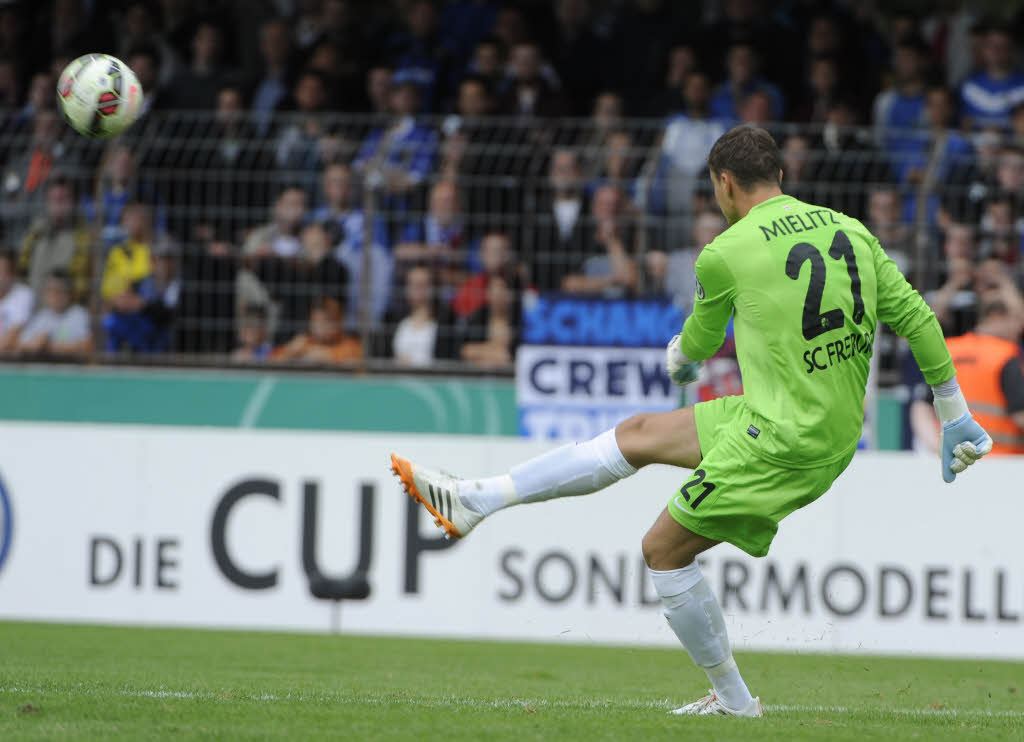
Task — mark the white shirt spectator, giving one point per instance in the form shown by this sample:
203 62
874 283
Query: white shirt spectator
414 343
16 307
63 329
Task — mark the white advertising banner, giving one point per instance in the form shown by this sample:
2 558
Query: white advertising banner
203 527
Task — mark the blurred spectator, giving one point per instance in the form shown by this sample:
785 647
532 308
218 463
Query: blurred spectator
605 117
253 337
989 367
670 100
579 57
742 80
487 63
400 156
1000 231
27 173
59 330
673 274
885 220
795 173
822 87
342 76
263 250
618 167
510 27
40 98
970 180
137 36
345 225
128 263
495 258
117 184
467 131
195 88
559 232
492 332
341 25
416 334
929 156
55 241
272 87
485 158
607 267
144 61
314 274
325 342
16 301
280 237
988 95
682 159
1010 171
140 288
231 145
841 155
439 238
418 54
378 89
954 301
527 93
756 109
901 107
298 151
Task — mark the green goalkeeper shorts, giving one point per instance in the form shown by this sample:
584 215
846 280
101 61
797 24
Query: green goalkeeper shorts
736 497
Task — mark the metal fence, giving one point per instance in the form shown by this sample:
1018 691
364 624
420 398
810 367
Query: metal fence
374 242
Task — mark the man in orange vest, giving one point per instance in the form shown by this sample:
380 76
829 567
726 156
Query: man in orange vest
988 363
989 366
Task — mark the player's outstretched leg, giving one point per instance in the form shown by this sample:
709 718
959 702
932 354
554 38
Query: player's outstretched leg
458 505
696 618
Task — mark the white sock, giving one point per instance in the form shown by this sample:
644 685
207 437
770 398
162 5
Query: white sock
575 469
696 618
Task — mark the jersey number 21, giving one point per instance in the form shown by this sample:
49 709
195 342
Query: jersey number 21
815 322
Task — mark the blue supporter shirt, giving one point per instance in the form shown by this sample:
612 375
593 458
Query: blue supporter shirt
987 102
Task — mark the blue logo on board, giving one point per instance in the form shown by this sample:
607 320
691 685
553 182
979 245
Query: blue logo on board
6 525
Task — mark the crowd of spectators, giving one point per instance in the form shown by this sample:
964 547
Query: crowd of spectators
323 180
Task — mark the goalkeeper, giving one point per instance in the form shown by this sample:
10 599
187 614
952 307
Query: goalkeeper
806 287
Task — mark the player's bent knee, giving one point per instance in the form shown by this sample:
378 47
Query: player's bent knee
653 551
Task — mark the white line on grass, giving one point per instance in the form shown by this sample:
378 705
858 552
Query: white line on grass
633 704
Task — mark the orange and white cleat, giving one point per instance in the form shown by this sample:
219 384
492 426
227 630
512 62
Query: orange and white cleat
711 705
438 492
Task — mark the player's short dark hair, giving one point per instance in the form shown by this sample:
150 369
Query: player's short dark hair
748 153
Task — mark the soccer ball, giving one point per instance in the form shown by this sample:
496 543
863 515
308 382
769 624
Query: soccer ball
99 95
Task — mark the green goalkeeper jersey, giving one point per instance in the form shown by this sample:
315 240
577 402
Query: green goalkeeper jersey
807 287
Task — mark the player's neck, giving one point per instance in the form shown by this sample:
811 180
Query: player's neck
746 200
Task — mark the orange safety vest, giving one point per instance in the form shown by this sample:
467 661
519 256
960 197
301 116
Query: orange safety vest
979 361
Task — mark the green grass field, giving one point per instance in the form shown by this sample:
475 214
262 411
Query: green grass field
78 683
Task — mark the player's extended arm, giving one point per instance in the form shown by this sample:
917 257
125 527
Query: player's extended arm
704 330
962 440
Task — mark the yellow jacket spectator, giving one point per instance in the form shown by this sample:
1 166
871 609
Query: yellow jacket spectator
129 262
